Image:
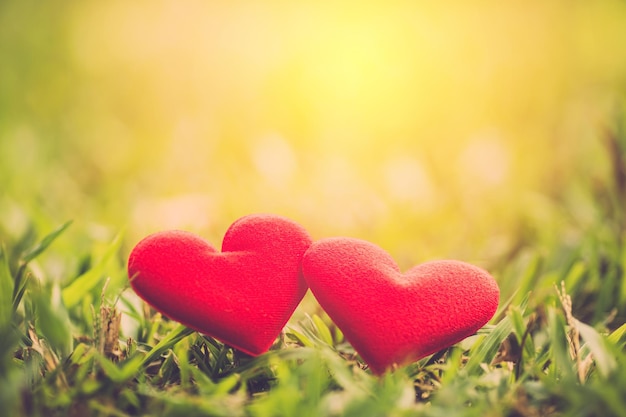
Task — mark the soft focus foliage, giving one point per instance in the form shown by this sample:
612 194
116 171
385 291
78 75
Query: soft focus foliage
421 126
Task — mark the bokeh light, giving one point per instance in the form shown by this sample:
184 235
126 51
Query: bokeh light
423 126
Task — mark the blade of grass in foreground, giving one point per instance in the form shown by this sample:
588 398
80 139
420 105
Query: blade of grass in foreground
488 347
19 283
135 364
122 373
74 292
617 334
603 357
6 290
45 242
166 343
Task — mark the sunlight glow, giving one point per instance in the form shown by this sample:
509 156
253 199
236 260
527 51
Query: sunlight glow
407 180
486 160
350 114
274 159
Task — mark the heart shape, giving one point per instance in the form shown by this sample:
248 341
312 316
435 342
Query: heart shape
242 296
391 318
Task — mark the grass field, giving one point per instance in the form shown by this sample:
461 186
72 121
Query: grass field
493 134
555 347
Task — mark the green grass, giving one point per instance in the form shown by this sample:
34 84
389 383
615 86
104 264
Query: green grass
75 341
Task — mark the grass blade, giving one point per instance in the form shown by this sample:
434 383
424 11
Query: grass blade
6 290
617 334
79 287
489 345
166 343
52 320
595 342
322 330
119 373
45 242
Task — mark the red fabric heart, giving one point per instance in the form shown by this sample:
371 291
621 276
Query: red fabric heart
395 318
242 296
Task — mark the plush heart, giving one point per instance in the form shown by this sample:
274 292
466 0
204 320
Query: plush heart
242 296
391 318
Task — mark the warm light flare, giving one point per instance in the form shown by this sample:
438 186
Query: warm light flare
400 116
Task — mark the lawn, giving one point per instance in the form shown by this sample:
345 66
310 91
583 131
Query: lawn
492 134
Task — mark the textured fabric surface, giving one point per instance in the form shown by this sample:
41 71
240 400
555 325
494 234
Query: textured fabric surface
242 295
391 317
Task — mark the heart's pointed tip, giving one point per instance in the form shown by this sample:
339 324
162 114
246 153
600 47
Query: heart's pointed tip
251 348
253 351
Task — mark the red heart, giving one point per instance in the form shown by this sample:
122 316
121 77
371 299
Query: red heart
394 318
242 296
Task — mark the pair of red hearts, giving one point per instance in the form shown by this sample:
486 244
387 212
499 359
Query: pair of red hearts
245 294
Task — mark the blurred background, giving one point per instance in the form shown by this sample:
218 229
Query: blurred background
434 129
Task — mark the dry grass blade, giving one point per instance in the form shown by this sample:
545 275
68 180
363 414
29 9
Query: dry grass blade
573 335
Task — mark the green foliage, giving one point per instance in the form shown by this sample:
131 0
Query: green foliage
81 286
556 346
6 291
